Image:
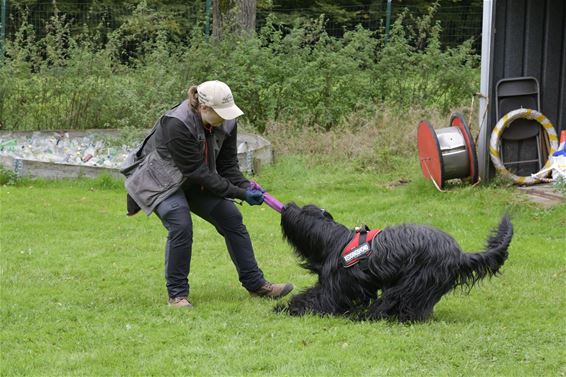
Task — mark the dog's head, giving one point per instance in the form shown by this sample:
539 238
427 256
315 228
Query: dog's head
313 233
310 211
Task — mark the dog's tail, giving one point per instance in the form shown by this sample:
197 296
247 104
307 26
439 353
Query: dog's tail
476 266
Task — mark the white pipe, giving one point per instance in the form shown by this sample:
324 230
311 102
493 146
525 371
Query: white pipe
485 88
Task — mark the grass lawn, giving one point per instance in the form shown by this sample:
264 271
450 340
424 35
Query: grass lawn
83 293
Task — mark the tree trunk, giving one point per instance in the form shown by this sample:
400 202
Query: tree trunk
233 16
247 15
216 19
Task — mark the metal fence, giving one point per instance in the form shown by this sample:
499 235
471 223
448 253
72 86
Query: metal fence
459 23
82 15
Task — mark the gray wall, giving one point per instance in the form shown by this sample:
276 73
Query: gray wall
530 40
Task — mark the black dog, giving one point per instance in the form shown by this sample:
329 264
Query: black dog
404 271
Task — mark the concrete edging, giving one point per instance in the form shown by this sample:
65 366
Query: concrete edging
254 151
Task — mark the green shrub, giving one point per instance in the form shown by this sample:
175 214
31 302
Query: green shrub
297 76
106 182
8 177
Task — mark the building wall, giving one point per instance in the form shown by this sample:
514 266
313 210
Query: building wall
530 40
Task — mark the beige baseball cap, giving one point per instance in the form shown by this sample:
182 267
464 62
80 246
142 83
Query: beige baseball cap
218 95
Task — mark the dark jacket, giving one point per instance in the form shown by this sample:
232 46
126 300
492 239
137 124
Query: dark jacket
174 154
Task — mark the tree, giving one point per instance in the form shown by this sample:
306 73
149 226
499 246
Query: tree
237 16
247 15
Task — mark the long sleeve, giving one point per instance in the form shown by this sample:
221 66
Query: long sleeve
227 161
188 155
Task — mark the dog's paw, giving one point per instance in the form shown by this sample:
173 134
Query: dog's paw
292 310
297 311
356 316
280 308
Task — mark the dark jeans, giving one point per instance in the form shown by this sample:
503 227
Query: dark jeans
175 214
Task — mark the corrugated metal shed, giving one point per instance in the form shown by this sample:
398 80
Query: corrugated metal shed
522 38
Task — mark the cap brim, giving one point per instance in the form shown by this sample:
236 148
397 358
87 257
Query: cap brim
228 113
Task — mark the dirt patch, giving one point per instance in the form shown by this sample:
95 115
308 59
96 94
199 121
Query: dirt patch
545 195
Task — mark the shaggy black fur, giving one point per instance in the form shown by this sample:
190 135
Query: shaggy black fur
409 270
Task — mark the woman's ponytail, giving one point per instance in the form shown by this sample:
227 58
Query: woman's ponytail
192 95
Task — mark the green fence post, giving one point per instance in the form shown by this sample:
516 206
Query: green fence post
387 20
3 27
207 15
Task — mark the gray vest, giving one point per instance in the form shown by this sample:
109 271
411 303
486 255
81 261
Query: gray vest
151 174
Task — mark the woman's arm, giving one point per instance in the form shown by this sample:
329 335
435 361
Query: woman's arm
188 156
227 161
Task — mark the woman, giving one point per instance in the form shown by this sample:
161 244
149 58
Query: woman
188 164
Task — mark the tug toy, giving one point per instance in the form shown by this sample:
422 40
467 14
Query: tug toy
267 198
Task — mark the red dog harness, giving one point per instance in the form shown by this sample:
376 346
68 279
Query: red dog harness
360 246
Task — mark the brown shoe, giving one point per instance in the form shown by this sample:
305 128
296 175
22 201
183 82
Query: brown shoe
274 291
180 302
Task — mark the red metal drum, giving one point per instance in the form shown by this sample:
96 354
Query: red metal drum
447 153
457 120
430 156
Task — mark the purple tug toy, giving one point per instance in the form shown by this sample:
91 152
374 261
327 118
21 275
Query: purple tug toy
267 198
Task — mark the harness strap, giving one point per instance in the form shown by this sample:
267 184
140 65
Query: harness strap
359 248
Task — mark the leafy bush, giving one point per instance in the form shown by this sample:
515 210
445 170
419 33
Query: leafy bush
63 81
8 177
298 76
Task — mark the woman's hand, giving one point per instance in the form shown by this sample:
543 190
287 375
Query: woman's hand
254 197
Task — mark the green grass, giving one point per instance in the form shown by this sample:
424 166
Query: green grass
83 293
